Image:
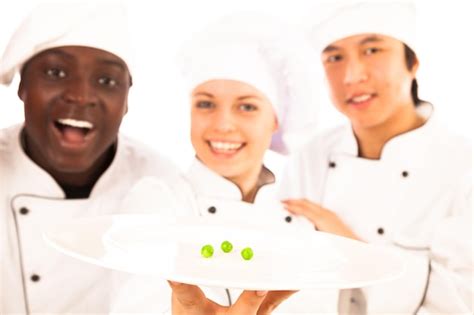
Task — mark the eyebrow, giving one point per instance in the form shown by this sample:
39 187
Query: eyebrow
370 39
58 52
365 40
204 94
106 61
112 63
330 48
248 96
212 96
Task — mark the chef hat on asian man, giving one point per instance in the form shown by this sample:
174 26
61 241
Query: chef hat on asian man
272 57
67 23
341 19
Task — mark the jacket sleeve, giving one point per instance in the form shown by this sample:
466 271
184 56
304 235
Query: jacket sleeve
450 287
438 278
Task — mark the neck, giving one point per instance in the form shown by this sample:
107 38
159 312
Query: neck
251 182
89 177
84 178
371 140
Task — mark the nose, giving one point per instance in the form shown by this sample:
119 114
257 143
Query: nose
224 121
355 72
81 91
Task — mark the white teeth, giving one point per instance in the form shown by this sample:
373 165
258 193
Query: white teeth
228 146
75 123
361 98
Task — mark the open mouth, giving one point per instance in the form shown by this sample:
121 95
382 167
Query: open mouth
225 147
361 99
73 131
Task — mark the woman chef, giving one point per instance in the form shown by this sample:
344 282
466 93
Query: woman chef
393 176
249 88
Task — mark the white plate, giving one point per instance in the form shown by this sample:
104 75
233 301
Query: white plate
284 259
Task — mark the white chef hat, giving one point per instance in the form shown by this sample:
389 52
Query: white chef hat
341 19
272 57
103 26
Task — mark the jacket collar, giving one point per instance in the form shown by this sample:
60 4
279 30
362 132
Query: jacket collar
32 179
406 142
210 184
27 175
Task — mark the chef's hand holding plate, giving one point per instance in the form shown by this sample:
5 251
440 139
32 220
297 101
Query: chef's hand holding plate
189 299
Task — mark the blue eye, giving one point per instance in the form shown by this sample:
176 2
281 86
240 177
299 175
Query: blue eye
55 73
108 81
204 104
248 107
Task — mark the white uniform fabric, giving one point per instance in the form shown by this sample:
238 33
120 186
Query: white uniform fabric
72 23
267 54
30 200
202 192
417 199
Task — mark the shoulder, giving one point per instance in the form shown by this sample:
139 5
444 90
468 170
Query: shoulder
9 137
144 160
323 142
449 147
167 195
9 142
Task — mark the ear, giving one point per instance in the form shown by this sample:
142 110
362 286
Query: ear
21 90
275 124
416 65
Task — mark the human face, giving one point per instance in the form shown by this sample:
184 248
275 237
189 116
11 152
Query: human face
231 127
74 99
368 78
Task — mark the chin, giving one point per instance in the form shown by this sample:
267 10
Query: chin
226 170
363 121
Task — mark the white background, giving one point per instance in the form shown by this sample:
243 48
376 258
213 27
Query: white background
158 105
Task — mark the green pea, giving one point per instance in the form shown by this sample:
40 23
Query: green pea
226 246
247 253
207 251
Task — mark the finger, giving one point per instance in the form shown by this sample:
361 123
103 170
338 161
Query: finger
187 296
248 302
303 206
300 209
273 300
292 201
308 204
296 201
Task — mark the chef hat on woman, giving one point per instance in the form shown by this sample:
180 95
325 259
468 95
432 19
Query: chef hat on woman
103 26
260 51
341 19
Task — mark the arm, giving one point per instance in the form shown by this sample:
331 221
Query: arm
450 285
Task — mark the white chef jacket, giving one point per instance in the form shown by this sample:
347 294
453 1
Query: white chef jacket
205 193
34 277
416 199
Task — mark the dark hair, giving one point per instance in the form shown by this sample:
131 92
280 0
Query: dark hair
410 58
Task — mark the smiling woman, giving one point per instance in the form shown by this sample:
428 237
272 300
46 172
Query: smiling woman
250 92
232 124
